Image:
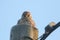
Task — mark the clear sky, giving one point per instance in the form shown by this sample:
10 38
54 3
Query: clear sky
43 12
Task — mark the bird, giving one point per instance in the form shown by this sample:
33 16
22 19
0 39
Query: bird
26 19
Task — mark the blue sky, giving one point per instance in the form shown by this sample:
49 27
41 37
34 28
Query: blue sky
43 12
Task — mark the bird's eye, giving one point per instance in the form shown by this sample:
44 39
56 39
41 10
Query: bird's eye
28 15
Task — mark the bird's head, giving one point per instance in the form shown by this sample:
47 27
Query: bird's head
26 14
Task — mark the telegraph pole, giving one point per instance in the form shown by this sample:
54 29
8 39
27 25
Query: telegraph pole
26 30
